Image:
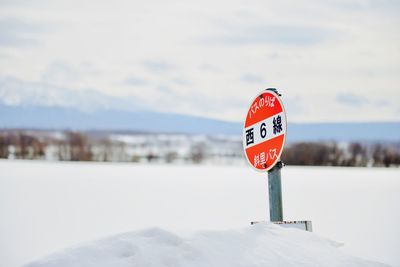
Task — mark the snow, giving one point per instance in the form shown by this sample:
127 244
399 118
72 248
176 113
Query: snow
259 245
48 206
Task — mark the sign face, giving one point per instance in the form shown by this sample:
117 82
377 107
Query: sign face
264 131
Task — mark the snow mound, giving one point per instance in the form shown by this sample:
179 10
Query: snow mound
258 245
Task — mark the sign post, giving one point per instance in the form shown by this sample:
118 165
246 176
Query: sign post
264 137
263 140
275 187
275 193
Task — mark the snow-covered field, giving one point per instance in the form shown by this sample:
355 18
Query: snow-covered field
255 246
48 206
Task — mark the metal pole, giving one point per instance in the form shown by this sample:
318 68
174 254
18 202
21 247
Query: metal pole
275 193
275 186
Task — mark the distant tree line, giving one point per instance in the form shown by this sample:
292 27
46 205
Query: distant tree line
352 154
78 146
21 145
26 145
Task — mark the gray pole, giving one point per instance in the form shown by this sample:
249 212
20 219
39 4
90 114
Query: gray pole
275 193
275 187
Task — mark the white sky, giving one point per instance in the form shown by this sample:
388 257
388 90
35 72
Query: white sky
331 60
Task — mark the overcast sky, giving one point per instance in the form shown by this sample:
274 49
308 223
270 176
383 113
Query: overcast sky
331 60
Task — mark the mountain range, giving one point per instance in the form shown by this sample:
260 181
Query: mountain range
39 105
62 118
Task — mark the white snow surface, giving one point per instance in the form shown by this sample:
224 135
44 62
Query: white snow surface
46 207
257 246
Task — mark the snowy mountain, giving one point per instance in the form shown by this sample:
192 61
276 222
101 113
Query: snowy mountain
357 131
35 117
16 92
37 105
51 117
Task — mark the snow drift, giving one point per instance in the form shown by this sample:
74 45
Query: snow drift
258 245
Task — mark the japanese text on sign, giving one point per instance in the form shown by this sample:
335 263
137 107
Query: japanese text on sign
268 101
264 130
262 158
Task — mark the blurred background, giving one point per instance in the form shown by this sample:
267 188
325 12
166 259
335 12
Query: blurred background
171 82
150 97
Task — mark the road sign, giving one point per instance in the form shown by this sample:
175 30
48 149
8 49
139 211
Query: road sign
264 131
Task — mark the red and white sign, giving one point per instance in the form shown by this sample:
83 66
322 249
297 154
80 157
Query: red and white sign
264 131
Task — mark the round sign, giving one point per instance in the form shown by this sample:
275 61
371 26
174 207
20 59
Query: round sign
264 131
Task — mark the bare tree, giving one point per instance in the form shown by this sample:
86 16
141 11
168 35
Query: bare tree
80 150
